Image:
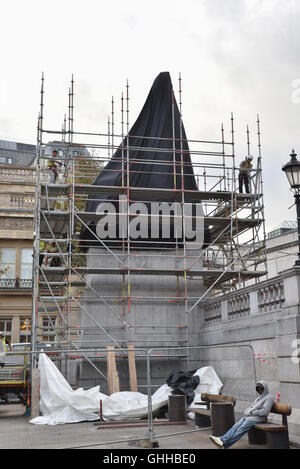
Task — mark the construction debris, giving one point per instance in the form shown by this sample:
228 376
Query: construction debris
60 404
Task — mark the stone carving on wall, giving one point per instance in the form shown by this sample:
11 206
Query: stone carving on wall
16 223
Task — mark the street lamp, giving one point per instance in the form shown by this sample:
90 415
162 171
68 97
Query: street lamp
292 171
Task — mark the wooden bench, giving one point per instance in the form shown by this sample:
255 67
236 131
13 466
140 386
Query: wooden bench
204 418
274 435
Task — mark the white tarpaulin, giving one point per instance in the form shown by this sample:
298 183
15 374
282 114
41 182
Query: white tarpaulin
60 404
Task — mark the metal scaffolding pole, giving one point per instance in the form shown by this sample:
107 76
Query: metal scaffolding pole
225 262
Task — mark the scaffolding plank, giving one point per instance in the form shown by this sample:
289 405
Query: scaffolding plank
213 273
138 192
210 221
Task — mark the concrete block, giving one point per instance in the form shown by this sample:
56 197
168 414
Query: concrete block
230 332
288 371
290 394
291 289
288 325
253 302
286 345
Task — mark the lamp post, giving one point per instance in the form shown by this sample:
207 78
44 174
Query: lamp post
292 171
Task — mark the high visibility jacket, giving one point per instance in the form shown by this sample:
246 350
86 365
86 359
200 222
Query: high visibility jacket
52 248
3 350
51 163
42 245
3 345
245 166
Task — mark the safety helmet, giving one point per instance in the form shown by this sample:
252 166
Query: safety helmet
249 157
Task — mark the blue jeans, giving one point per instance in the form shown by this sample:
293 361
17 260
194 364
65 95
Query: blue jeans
238 430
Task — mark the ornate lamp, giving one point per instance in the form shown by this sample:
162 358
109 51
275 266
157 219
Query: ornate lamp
292 171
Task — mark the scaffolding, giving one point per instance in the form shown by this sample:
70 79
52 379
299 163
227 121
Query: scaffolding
234 254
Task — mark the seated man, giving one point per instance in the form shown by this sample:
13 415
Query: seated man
256 413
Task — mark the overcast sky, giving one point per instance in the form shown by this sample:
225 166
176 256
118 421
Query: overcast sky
239 56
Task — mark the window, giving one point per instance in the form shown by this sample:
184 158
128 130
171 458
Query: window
17 200
25 329
6 327
7 262
26 263
48 332
4 160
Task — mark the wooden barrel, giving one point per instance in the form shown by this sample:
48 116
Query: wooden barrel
177 408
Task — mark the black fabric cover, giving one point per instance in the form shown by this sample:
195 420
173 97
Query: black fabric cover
183 382
158 118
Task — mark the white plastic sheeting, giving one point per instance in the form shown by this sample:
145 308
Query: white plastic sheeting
60 404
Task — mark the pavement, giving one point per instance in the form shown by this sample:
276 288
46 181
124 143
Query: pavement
17 433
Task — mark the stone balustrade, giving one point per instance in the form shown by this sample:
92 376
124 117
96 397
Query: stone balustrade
258 298
17 172
266 317
15 283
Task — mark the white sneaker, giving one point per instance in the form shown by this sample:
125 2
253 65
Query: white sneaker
217 441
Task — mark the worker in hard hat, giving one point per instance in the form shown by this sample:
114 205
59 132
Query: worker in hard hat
53 167
55 260
244 174
4 343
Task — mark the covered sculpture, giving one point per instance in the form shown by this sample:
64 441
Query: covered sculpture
153 155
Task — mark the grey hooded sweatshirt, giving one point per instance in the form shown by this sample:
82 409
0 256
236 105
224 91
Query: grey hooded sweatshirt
260 408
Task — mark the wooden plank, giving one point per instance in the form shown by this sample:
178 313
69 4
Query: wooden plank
115 382
270 427
281 408
35 393
206 412
108 373
110 369
112 374
132 369
217 397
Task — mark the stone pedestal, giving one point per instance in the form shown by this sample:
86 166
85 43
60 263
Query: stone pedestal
145 310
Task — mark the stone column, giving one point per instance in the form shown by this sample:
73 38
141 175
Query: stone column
224 310
15 336
253 302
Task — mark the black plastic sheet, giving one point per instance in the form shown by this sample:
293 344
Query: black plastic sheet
184 382
153 158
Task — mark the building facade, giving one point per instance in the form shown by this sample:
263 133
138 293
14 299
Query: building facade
17 195
17 191
17 199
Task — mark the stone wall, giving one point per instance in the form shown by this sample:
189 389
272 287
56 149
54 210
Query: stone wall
265 316
153 318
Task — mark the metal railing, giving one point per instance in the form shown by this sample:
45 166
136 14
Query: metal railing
149 359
